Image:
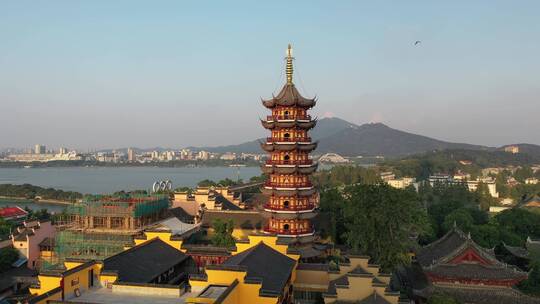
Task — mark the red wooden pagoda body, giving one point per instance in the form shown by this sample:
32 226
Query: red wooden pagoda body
292 199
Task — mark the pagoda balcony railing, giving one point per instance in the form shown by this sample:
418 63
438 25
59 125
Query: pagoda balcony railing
288 139
289 162
288 185
288 117
289 231
289 208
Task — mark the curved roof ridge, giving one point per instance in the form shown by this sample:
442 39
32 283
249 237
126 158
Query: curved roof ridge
289 96
444 237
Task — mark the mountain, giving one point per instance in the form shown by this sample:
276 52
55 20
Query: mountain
345 138
325 128
379 139
533 150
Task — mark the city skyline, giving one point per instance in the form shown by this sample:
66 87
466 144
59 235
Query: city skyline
112 75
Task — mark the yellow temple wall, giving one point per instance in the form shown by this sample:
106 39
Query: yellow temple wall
165 236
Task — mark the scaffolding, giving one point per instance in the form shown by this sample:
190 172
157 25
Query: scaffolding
122 205
119 212
103 225
89 246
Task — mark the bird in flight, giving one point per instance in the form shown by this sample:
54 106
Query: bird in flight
417 42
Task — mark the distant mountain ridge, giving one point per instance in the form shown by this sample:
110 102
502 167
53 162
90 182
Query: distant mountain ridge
371 139
348 139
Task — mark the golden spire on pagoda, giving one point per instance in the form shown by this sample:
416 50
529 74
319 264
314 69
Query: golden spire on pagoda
289 66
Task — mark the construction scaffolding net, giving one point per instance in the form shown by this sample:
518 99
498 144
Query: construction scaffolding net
119 205
89 246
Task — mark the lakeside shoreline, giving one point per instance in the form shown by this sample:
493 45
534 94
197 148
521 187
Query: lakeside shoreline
44 201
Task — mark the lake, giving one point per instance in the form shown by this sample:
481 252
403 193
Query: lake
96 180
53 208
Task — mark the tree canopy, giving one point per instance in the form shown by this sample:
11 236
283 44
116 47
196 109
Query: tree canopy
376 220
223 230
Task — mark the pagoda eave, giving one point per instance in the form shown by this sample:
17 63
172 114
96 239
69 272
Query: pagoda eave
288 146
303 103
272 124
282 215
289 169
288 192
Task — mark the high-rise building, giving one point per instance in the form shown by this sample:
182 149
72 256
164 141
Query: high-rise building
292 197
131 155
40 149
203 155
63 150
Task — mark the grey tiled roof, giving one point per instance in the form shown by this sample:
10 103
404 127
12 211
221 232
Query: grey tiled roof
225 203
144 262
440 248
482 295
265 263
181 214
477 272
517 251
449 246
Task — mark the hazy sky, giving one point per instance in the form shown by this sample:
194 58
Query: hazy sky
95 74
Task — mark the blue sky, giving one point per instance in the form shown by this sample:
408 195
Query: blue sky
95 74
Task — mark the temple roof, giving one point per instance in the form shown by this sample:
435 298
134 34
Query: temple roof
289 96
144 262
438 259
473 271
181 214
519 252
480 294
451 245
265 263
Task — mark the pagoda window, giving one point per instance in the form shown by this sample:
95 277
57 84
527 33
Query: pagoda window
286 204
286 227
286 158
286 114
287 135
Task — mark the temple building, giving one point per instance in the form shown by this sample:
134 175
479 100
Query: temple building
456 266
269 263
209 198
292 199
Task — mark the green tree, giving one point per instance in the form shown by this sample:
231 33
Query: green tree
532 284
487 236
380 222
223 230
461 218
8 256
484 198
331 210
207 183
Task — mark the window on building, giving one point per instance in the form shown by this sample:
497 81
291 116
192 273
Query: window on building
286 204
99 222
117 222
286 227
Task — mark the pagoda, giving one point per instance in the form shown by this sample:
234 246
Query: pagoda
292 199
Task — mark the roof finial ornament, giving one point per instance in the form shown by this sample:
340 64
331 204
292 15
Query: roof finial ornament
289 66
